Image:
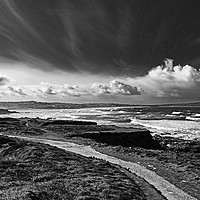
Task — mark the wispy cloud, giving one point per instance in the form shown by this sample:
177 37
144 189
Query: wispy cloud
95 36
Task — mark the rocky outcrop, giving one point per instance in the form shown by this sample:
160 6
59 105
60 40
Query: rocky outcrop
68 122
125 138
6 141
176 144
37 126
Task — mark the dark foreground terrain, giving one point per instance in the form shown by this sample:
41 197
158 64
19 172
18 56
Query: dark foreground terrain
36 171
176 160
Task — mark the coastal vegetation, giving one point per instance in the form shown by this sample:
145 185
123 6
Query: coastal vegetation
33 171
174 159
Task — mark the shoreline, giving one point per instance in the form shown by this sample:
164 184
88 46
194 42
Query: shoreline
176 162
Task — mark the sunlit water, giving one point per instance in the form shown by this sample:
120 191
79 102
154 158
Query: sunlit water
182 122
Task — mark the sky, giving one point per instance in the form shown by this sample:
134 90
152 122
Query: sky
122 51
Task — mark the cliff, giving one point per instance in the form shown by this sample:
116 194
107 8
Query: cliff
123 137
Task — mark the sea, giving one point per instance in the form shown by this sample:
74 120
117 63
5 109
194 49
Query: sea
175 121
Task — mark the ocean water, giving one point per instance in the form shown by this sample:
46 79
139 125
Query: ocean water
177 121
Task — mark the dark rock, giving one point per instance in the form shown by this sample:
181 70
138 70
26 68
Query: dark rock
67 122
9 119
6 140
176 144
125 138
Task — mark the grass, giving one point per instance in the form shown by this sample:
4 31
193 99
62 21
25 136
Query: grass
35 171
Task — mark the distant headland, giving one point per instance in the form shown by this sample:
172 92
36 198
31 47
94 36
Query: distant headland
60 105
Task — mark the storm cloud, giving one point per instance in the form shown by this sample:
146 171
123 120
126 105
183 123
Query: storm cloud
100 36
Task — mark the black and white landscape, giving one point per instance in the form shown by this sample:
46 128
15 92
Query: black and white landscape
99 99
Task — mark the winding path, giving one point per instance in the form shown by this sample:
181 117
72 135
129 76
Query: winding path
168 190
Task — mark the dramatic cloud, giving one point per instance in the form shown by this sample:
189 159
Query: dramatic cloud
169 80
115 87
61 90
75 91
4 80
170 76
45 90
16 90
164 81
100 36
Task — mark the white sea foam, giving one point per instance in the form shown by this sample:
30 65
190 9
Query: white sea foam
176 113
187 129
168 115
193 118
176 128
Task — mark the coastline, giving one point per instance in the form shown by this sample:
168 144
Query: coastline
175 165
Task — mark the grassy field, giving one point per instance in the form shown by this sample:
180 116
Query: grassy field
35 171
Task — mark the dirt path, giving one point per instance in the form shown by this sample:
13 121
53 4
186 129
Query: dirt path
168 190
